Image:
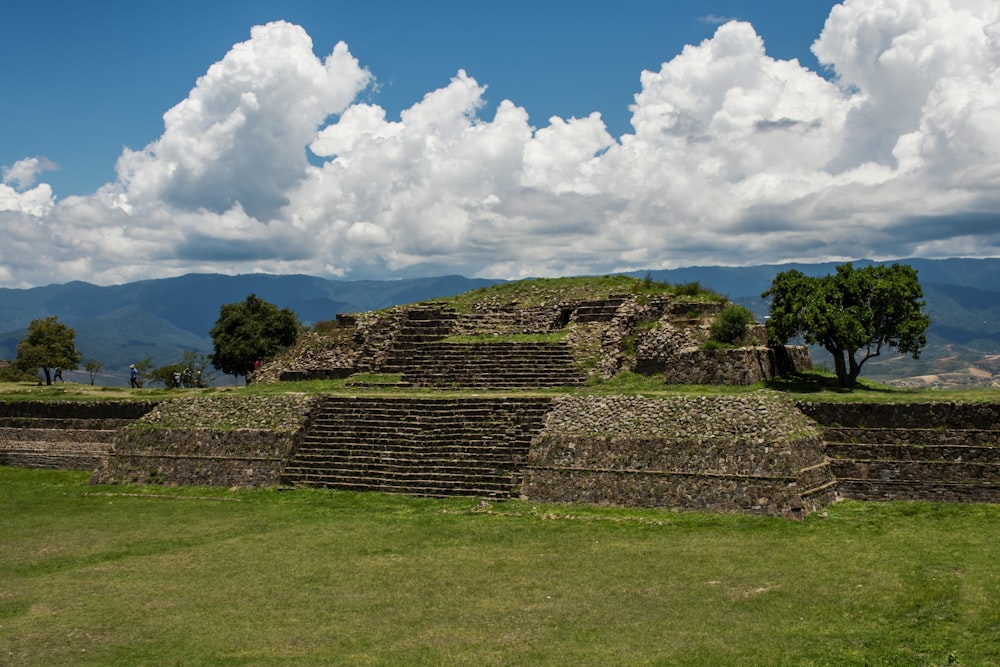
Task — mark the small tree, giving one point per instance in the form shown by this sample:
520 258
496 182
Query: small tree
195 369
93 367
853 312
251 331
48 344
190 371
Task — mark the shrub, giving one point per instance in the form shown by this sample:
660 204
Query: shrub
689 289
11 373
730 327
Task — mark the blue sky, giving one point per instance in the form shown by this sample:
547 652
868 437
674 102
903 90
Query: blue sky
738 145
90 78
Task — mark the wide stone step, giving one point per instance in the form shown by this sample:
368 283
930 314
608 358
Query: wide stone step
912 436
421 487
929 490
395 469
906 452
53 455
491 448
471 427
497 384
918 471
495 444
439 473
56 435
97 423
406 459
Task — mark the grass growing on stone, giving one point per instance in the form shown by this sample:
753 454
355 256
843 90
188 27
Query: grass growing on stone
141 576
72 391
811 386
545 292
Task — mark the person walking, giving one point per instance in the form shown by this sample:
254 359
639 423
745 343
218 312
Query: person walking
133 376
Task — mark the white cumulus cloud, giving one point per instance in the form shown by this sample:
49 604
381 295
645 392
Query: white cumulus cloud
735 157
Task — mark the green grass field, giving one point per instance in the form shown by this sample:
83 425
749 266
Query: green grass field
94 575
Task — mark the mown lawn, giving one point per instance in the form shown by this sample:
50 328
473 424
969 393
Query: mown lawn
197 576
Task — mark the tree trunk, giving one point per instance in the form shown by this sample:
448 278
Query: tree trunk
48 376
855 370
840 368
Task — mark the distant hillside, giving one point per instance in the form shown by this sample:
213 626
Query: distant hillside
164 318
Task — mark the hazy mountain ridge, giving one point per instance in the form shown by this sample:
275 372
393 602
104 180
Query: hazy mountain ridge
163 318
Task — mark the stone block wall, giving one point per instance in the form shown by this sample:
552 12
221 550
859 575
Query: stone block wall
66 435
943 452
75 409
758 453
737 366
197 457
981 416
236 440
753 454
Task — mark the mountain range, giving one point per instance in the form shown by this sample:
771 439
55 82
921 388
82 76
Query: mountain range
164 318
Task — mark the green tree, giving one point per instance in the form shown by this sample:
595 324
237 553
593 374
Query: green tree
48 344
191 371
852 314
165 375
93 367
251 331
195 369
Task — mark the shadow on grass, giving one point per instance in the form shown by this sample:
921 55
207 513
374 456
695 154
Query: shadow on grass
814 383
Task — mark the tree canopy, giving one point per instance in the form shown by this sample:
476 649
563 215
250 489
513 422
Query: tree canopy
48 344
251 331
852 314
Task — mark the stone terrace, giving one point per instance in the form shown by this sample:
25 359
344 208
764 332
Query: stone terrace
62 435
925 451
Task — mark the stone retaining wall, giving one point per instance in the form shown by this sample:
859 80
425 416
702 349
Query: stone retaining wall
737 366
216 441
947 452
985 416
749 454
75 409
197 457
66 435
758 453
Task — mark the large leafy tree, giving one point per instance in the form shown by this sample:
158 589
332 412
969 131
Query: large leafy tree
48 344
251 331
852 314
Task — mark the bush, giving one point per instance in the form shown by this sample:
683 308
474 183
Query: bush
730 327
11 373
689 289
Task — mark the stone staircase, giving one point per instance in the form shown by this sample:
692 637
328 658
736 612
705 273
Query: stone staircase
418 326
428 447
62 435
947 452
603 310
500 365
